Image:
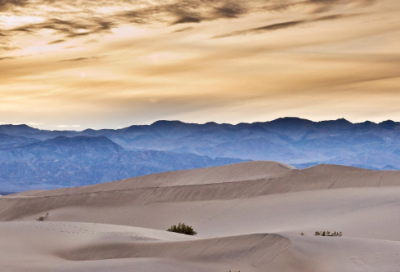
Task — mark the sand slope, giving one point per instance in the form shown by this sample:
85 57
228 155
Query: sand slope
248 216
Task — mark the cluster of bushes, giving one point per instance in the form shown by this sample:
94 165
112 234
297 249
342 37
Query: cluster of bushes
328 233
42 218
182 228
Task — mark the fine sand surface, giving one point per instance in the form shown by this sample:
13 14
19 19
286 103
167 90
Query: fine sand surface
248 216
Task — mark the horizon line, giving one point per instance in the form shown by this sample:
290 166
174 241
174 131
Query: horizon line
205 123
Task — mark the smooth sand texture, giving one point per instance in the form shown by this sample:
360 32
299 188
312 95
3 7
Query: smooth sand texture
248 216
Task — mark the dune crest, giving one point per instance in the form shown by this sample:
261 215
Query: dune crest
211 175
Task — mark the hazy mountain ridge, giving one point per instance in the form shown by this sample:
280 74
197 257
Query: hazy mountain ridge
84 160
71 158
8 141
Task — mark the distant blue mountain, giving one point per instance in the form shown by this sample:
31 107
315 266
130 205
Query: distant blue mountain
83 160
30 156
6 193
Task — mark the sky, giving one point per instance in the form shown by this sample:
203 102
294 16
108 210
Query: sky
74 64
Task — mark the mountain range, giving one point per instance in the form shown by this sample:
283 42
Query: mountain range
34 158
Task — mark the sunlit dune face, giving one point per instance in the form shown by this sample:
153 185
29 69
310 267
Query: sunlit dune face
113 63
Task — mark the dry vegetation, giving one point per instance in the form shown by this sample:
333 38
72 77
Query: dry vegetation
328 233
182 228
42 218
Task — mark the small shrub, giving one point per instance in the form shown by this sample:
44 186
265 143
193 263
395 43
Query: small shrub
182 228
328 233
42 218
302 234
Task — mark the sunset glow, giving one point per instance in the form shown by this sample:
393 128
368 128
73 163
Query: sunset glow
117 63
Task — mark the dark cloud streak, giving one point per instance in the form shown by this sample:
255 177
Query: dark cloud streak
70 29
182 29
56 42
283 25
185 11
83 59
7 58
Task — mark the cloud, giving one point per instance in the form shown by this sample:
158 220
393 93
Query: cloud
182 29
68 126
185 11
7 58
340 2
8 48
68 28
56 41
283 25
34 124
87 21
196 11
82 59
6 4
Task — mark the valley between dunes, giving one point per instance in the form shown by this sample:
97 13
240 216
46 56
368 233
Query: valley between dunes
249 217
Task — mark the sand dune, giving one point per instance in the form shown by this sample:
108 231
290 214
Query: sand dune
212 175
248 216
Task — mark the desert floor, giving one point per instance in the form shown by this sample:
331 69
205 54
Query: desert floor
248 216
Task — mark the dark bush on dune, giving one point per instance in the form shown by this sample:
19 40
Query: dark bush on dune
182 228
42 218
328 233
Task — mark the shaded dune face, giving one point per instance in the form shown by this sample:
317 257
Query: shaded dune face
266 246
248 216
